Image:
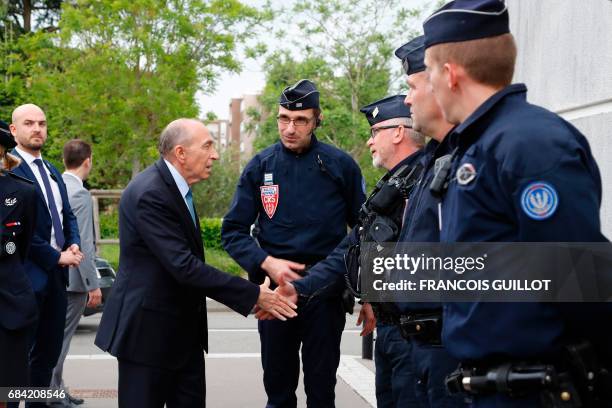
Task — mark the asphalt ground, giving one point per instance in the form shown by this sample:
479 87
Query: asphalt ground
233 367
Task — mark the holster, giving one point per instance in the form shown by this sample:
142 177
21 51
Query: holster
426 327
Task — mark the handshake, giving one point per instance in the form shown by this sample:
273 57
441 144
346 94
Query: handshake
283 272
281 302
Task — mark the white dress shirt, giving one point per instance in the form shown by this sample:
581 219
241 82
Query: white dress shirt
180 181
29 159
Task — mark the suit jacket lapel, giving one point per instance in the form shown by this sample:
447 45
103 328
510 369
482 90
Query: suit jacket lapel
179 203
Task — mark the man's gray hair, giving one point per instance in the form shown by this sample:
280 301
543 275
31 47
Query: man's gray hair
176 133
416 137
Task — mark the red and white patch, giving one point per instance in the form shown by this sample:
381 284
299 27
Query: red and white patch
269 199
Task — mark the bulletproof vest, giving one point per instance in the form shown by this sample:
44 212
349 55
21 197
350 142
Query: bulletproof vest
380 217
382 214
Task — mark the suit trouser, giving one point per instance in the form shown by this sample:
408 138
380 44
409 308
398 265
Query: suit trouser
318 328
76 302
142 386
48 335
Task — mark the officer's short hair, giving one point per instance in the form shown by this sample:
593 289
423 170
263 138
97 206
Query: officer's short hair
489 61
176 133
416 137
75 152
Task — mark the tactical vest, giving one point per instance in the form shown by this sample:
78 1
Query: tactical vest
380 218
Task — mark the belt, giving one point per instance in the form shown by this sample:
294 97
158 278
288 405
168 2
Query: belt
386 317
574 378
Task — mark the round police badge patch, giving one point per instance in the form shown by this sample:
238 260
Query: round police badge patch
539 200
466 173
10 248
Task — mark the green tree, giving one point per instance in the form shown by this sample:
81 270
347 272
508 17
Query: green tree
123 69
346 48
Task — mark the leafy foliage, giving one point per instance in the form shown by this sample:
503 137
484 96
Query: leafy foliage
118 71
346 48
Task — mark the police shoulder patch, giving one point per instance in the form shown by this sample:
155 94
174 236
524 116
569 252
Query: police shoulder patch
539 200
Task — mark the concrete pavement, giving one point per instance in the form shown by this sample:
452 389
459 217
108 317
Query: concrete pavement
233 368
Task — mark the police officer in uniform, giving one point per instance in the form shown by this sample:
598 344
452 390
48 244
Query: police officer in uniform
403 147
17 301
303 194
430 362
519 173
396 147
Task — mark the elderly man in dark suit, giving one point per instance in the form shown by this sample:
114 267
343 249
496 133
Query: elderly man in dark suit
55 244
155 319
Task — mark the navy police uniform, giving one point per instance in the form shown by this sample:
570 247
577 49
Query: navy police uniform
18 310
520 173
430 361
394 377
302 204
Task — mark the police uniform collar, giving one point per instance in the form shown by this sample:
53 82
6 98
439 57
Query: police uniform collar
485 108
408 161
313 143
11 174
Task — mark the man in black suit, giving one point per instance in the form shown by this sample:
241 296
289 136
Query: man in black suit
155 319
55 243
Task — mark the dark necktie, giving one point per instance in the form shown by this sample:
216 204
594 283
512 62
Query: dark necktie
189 199
55 219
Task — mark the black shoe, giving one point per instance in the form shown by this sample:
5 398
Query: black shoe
74 400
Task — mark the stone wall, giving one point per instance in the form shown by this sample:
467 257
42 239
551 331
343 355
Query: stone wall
565 58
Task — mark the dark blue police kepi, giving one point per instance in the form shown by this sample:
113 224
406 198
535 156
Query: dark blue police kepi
6 138
385 109
302 95
412 55
464 20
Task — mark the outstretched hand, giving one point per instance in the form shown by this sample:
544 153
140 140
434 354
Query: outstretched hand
287 291
366 315
274 303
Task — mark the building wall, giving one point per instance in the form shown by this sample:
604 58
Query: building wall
248 135
565 58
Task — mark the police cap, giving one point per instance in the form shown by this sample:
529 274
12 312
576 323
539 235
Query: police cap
6 138
464 20
385 109
302 95
412 55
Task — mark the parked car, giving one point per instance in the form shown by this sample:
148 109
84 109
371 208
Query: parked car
106 279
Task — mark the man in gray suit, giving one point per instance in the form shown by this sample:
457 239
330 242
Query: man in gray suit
82 281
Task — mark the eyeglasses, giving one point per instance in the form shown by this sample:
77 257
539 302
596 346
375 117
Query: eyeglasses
297 122
374 131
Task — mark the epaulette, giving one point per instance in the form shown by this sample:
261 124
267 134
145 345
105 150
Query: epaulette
10 173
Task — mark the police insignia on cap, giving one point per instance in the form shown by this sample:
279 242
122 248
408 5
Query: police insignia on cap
466 174
539 200
269 199
10 247
9 202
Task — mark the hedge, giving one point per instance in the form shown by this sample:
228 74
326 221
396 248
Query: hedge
211 229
